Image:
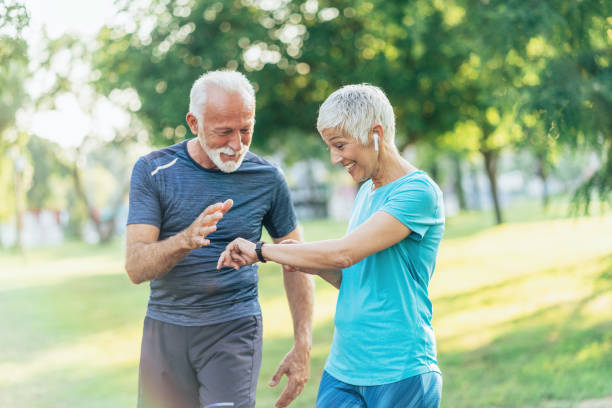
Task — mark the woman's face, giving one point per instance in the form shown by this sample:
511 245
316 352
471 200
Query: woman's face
357 159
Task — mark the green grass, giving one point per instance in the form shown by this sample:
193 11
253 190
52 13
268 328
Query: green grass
522 314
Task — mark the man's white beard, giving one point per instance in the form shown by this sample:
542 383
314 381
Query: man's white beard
215 155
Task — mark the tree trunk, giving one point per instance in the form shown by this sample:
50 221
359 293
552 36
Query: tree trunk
110 223
475 187
491 157
82 195
543 175
459 183
104 228
18 207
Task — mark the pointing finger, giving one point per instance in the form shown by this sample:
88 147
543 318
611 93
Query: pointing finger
227 204
212 208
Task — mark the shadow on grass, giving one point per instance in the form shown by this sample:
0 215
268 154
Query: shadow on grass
556 353
553 354
76 386
42 317
526 210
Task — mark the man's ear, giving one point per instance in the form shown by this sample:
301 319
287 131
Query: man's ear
192 122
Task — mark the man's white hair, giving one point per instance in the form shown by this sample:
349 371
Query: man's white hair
231 81
355 109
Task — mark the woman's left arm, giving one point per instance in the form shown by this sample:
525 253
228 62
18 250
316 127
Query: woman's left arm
381 231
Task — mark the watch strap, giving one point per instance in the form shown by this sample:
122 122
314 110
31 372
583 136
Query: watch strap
258 246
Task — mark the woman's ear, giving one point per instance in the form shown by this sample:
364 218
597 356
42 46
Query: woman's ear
378 136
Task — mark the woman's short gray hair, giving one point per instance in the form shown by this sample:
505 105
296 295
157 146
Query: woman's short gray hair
355 109
231 81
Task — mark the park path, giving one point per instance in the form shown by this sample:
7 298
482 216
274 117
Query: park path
605 402
596 403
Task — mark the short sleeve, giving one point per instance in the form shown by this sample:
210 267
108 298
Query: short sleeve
414 204
280 219
144 205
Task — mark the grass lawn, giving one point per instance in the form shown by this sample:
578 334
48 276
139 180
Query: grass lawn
522 314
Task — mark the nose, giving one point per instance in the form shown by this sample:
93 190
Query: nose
335 157
235 142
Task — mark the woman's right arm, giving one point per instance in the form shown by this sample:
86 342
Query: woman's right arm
379 232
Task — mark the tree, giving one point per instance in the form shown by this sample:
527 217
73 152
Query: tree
296 54
13 60
164 48
13 70
573 96
441 70
99 198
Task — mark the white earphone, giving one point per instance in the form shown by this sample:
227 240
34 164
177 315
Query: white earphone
375 142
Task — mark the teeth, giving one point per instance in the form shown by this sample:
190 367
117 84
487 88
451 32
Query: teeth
349 166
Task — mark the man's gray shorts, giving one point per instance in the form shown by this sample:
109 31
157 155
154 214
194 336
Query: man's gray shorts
200 366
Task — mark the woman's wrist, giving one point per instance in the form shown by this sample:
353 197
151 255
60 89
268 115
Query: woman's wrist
258 251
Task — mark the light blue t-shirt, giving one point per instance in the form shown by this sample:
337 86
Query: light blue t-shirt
383 330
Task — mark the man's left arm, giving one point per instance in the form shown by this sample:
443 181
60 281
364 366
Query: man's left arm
296 364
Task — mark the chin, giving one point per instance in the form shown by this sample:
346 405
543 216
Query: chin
359 178
229 166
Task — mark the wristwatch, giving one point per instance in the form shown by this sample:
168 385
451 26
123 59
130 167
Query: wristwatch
258 246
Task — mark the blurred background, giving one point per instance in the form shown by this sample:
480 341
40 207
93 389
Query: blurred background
507 105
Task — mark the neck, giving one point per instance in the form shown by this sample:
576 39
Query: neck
197 153
390 167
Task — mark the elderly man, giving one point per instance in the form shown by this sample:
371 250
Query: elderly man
202 335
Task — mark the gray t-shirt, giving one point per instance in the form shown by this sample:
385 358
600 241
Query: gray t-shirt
169 190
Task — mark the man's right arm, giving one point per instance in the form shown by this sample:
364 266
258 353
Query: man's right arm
147 258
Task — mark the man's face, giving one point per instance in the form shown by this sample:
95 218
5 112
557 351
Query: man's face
227 129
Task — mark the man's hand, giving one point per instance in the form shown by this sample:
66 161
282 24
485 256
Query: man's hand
295 366
238 253
195 235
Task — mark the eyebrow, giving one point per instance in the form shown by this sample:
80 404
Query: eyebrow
334 137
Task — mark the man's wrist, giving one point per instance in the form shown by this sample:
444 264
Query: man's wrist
302 344
184 243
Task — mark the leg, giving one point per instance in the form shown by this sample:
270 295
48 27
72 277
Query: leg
227 359
336 394
166 379
420 391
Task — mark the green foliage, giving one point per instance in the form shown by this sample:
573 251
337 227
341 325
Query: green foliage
463 76
13 71
573 94
13 60
161 61
296 54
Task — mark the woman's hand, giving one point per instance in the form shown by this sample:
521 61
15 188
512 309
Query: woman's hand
237 254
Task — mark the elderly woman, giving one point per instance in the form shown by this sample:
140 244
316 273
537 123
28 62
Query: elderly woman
384 351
